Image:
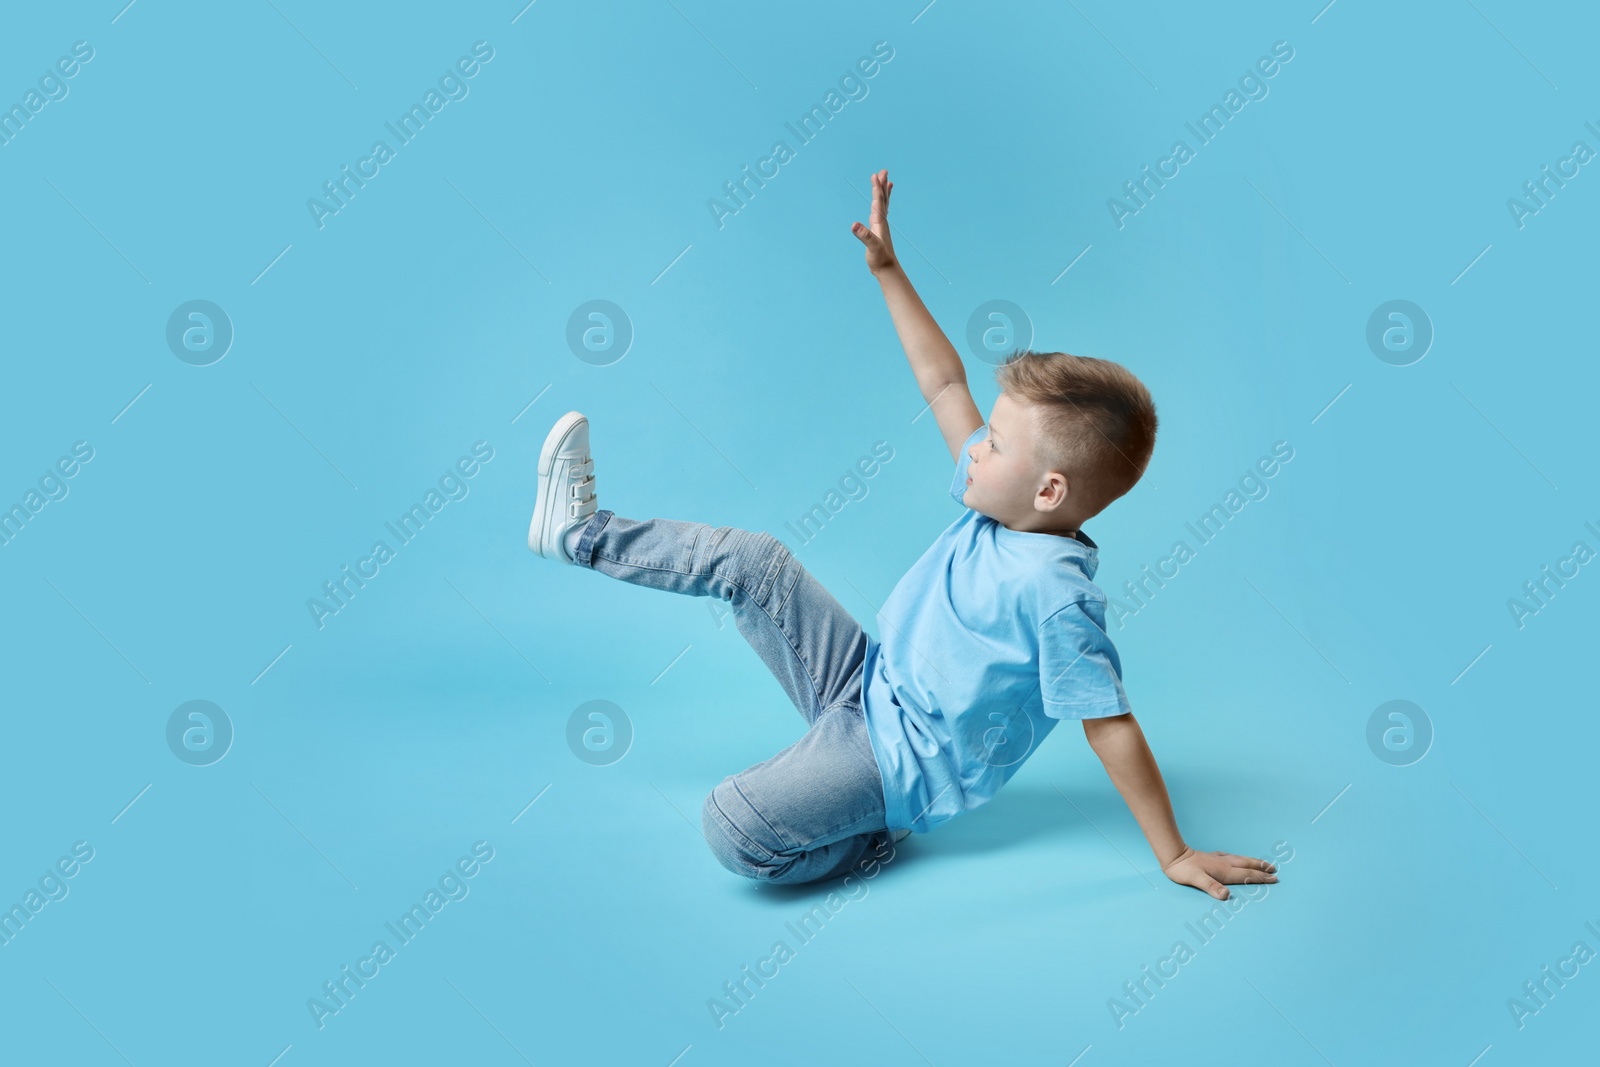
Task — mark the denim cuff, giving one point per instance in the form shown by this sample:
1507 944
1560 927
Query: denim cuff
584 551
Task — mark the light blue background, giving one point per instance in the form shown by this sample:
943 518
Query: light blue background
425 716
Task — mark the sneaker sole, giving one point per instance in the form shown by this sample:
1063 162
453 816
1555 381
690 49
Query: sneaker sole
545 504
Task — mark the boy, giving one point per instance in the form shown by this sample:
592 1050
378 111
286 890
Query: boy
996 633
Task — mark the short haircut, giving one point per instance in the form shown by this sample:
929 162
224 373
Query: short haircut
1097 422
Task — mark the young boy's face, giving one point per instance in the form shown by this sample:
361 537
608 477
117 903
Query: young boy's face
1004 481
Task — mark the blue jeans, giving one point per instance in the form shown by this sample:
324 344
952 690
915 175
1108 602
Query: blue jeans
815 809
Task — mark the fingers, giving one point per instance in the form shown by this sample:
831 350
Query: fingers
1237 870
1214 871
881 187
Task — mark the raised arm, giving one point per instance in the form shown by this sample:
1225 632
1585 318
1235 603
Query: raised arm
938 369
1121 746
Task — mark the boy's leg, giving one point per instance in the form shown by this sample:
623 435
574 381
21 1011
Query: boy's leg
807 639
812 812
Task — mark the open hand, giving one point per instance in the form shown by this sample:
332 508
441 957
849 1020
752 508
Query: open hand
880 249
1208 870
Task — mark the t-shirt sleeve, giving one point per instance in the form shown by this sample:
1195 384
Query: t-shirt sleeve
958 487
1080 673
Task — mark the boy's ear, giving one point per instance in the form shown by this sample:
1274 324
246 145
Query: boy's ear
1054 492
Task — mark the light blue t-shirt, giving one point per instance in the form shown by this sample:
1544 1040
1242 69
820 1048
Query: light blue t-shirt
991 637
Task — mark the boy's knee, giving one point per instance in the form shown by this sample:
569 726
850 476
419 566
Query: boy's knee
723 824
752 560
725 844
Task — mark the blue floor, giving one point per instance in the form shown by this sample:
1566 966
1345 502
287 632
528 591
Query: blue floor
225 384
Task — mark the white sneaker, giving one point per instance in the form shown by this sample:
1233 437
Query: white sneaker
566 496
900 835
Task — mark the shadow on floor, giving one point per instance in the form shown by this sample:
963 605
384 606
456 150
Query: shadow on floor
1026 812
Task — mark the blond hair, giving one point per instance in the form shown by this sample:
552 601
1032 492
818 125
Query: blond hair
1097 421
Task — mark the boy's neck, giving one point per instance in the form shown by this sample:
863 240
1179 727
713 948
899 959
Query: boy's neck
1073 534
